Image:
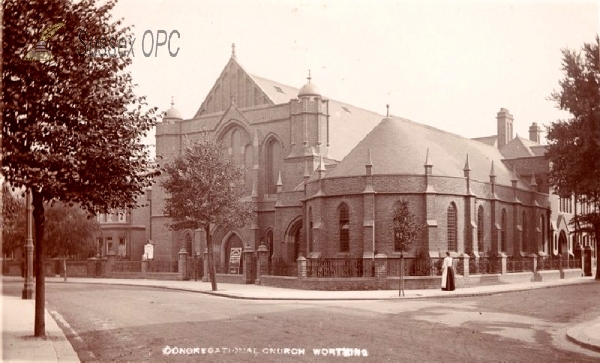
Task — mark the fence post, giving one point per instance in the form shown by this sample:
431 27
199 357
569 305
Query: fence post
249 265
465 261
144 266
301 261
535 262
182 265
560 266
381 266
263 262
504 258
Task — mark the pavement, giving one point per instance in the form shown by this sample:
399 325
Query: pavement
18 344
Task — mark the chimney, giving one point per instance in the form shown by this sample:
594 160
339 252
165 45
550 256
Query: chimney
535 132
505 127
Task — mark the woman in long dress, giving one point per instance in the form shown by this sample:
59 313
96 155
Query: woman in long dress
447 274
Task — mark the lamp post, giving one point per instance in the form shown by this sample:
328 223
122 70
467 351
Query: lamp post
27 293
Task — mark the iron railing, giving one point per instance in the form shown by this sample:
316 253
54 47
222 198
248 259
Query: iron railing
519 264
333 267
415 267
126 266
163 266
485 265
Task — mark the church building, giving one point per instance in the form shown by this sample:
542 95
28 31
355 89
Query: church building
324 177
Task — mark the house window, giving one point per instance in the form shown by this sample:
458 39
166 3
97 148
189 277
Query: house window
480 229
503 231
109 244
451 224
344 214
122 251
100 242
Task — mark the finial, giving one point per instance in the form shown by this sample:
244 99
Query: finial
427 161
514 174
467 164
233 50
533 183
387 114
309 78
172 101
279 183
322 165
492 170
369 160
306 171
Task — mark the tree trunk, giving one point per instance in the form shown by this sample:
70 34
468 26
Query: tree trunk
65 267
40 294
211 261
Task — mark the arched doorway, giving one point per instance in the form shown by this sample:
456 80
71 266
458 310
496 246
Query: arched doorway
293 239
563 246
234 241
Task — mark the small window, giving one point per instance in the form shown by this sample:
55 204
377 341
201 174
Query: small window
344 228
278 89
109 244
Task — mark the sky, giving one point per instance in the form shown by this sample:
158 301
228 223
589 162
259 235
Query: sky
447 64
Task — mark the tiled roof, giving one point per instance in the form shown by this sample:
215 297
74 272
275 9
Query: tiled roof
347 124
399 146
520 148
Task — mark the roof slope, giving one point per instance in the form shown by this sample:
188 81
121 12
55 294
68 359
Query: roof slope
520 148
399 146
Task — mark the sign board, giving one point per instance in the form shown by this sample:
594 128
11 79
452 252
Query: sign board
234 260
149 251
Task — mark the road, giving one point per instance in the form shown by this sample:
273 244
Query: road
110 322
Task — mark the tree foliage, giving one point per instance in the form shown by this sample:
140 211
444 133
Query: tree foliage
574 144
407 227
13 221
72 125
69 232
205 190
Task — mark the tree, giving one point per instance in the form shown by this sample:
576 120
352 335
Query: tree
72 124
574 144
69 232
205 190
13 221
406 230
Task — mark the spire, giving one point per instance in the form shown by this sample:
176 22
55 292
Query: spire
514 180
492 174
321 168
172 101
279 183
467 167
369 164
387 112
309 78
306 171
232 50
533 184
428 164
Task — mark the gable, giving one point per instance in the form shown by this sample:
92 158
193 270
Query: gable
233 85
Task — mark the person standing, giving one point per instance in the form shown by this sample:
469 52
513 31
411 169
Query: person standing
447 274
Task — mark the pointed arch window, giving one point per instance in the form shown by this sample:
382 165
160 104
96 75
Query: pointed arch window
480 230
503 231
451 224
270 244
344 218
310 230
524 244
